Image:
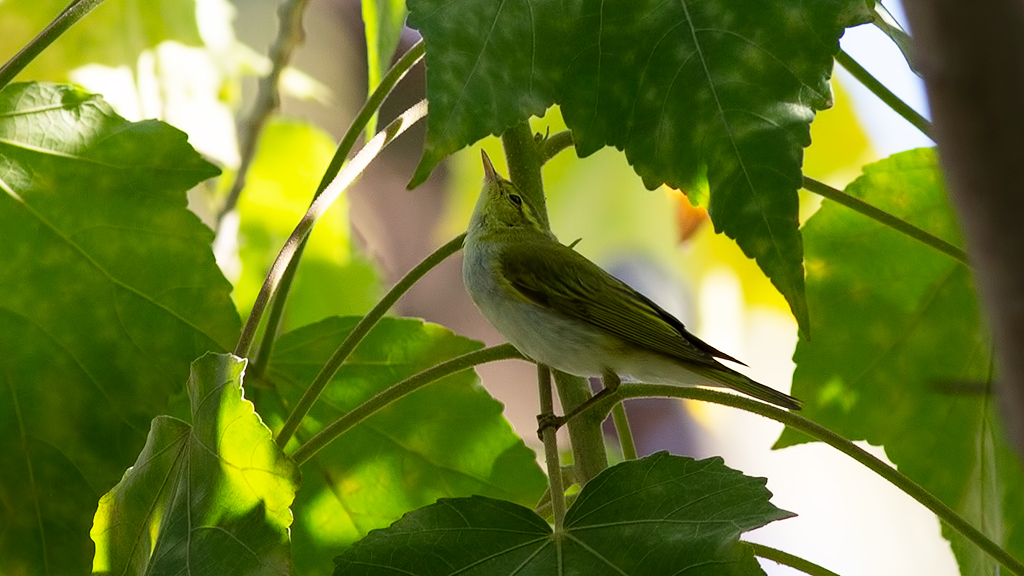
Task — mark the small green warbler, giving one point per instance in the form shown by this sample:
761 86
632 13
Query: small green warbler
562 310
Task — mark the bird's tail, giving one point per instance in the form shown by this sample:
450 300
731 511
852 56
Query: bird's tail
731 379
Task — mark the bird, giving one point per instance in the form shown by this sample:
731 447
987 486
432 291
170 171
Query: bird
560 309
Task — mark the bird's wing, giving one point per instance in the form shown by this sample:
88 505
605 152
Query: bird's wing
576 287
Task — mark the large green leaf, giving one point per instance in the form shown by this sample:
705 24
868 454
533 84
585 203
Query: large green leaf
900 357
108 291
207 498
658 515
114 33
723 90
447 439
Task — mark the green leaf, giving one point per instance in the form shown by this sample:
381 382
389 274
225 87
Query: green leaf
900 357
723 90
290 160
447 439
658 515
108 291
114 34
210 498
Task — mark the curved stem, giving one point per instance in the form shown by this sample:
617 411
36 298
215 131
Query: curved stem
323 378
316 210
74 12
289 36
883 93
403 388
625 435
555 486
822 434
361 121
554 144
787 559
883 217
370 107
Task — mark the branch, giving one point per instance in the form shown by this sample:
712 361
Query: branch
555 486
290 36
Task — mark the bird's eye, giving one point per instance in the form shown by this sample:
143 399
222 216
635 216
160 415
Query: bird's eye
515 199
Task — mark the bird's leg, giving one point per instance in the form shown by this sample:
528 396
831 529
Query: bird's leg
611 382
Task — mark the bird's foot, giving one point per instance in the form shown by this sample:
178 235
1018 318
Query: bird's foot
549 420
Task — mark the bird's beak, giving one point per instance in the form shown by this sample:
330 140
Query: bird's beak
489 172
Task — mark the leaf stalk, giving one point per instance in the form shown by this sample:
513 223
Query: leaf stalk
884 218
554 466
333 191
399 390
323 378
884 94
360 123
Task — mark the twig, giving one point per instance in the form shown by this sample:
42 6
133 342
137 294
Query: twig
787 559
290 36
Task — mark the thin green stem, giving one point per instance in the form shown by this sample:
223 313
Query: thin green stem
393 393
276 316
822 434
883 217
323 378
625 435
370 107
883 93
787 559
344 179
361 121
554 466
554 144
71 14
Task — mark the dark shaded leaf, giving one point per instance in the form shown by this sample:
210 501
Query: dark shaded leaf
723 90
658 515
